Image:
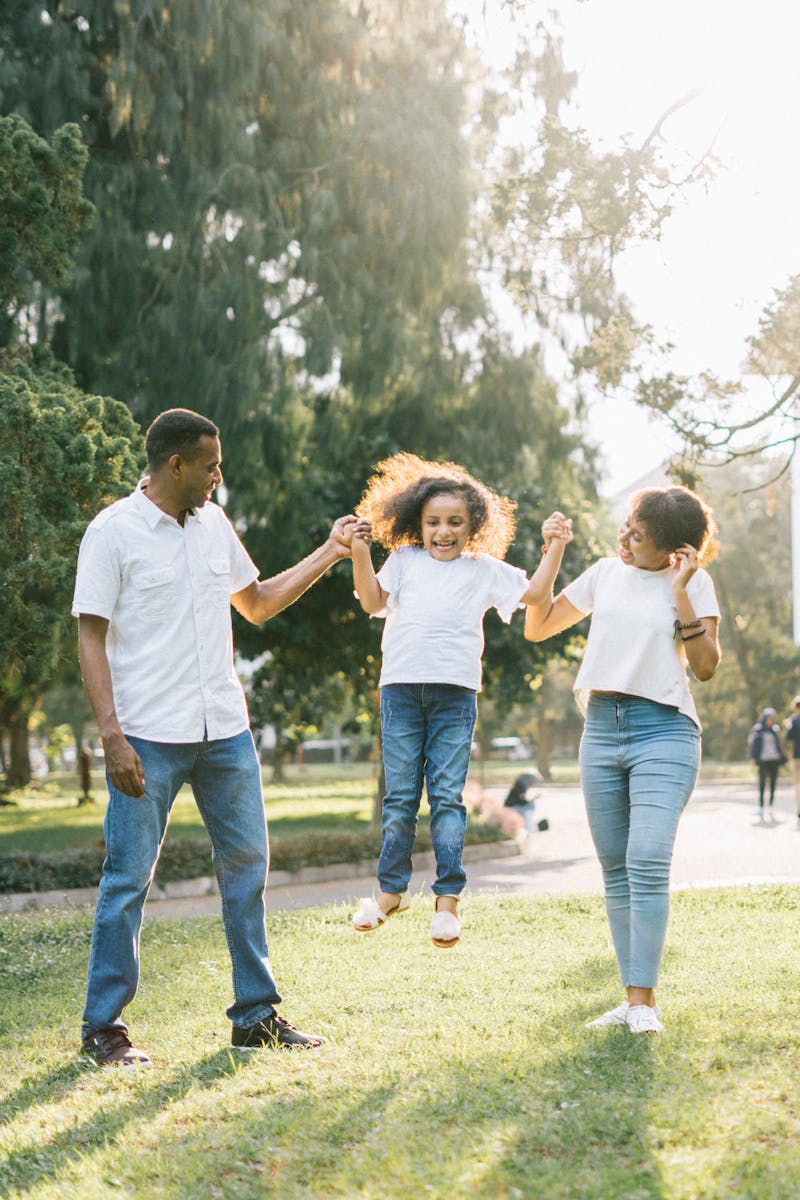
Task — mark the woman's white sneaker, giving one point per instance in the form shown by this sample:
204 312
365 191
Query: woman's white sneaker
643 1019
614 1016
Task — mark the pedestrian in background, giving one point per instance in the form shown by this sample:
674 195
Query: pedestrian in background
766 751
792 727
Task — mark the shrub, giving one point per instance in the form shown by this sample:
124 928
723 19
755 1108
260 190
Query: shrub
190 858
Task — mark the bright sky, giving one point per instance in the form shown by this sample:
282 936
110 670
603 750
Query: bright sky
725 253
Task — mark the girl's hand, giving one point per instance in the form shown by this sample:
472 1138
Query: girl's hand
557 528
363 530
684 565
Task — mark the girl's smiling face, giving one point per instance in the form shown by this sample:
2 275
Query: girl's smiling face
445 526
637 549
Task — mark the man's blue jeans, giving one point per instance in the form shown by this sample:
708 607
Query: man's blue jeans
639 762
226 780
426 729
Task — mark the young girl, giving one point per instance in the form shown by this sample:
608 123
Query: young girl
447 534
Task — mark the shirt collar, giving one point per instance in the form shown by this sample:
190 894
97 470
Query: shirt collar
150 511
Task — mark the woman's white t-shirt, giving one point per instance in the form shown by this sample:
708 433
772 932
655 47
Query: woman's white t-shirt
434 614
631 645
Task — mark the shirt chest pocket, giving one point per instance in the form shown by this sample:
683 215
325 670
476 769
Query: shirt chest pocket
155 591
219 576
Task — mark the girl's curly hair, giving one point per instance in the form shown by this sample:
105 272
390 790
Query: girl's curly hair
401 486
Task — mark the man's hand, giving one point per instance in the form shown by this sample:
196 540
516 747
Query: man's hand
341 535
124 766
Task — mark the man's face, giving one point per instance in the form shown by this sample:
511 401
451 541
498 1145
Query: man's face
201 473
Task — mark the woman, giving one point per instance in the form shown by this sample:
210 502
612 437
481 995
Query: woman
654 612
766 751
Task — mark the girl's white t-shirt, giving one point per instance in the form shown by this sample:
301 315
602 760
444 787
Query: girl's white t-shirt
434 614
631 645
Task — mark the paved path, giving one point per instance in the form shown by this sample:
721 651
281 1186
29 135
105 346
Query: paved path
721 840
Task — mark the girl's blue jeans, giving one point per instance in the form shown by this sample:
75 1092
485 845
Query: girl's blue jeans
226 780
426 730
639 763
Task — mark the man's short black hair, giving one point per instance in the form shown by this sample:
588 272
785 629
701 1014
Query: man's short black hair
176 431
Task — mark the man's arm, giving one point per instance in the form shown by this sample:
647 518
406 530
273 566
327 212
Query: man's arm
264 598
123 764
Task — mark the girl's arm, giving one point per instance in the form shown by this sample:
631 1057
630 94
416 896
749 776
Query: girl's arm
545 616
371 595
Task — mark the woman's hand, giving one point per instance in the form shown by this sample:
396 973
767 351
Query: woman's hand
684 565
557 527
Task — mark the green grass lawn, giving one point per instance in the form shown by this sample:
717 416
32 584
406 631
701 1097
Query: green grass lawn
446 1075
47 821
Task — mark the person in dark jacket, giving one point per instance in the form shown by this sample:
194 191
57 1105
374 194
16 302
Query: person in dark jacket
520 797
766 751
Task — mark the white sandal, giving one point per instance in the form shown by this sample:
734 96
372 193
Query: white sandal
370 915
445 928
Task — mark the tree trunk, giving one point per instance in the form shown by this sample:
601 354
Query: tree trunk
19 764
543 746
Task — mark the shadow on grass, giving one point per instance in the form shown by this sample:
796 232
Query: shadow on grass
34 1164
47 1088
534 1117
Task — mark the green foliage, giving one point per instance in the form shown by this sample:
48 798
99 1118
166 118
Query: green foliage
292 225
752 575
190 858
561 209
43 211
63 455
266 175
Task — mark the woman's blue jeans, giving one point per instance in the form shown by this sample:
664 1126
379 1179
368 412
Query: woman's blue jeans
426 729
225 777
639 762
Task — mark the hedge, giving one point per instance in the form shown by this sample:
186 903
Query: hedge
190 858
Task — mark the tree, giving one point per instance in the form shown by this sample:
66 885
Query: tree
273 183
716 420
43 213
296 205
752 574
63 455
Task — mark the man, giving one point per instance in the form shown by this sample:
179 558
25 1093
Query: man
792 727
157 574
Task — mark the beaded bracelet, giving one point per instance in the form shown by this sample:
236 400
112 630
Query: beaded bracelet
696 624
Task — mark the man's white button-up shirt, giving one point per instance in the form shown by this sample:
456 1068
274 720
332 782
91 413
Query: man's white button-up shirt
165 590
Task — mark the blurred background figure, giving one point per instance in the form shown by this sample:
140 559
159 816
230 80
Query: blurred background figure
522 798
766 751
792 727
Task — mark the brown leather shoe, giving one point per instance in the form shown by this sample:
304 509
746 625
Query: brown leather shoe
112 1048
273 1033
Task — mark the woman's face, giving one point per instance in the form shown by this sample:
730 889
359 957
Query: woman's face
637 549
445 526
